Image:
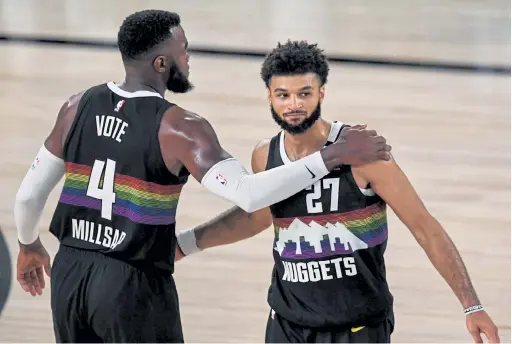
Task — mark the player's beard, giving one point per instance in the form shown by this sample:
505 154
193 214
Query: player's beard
177 81
297 128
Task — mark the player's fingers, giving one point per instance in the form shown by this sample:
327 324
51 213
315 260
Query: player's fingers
40 277
476 336
30 283
384 147
48 269
371 132
26 277
379 139
358 126
35 282
24 285
492 335
384 155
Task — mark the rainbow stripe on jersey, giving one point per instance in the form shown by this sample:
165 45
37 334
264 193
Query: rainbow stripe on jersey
140 201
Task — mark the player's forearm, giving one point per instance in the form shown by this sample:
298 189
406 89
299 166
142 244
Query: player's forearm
251 192
229 227
41 178
446 259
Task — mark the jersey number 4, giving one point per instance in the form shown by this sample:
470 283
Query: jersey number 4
106 193
313 202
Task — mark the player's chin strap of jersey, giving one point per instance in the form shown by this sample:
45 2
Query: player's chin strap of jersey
251 192
44 174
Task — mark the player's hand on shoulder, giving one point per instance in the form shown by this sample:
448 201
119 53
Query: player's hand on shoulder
32 260
362 146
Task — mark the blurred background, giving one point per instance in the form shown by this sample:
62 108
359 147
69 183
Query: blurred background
432 76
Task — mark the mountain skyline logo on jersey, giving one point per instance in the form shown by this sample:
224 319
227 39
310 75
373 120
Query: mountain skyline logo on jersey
329 235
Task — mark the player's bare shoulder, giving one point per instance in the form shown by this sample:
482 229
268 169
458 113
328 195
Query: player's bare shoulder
70 106
182 123
380 170
260 155
188 139
173 136
67 113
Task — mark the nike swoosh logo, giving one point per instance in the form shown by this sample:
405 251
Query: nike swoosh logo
356 329
312 174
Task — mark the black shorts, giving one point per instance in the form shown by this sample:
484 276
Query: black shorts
280 330
5 271
97 299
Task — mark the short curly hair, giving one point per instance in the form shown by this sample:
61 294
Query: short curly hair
143 30
295 57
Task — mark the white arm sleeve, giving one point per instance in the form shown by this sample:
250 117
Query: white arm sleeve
230 180
45 172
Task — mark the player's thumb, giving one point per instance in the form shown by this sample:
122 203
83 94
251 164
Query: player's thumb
47 268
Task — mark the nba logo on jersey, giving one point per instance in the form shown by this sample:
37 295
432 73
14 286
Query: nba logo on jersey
221 179
119 105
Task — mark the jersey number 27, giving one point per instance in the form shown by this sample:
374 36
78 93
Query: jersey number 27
106 193
313 202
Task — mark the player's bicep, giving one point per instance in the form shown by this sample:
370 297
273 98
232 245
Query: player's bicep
390 183
198 147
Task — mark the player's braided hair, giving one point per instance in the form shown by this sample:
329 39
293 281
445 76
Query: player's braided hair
142 31
295 57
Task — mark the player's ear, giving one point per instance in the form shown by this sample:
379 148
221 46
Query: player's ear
160 64
322 94
269 96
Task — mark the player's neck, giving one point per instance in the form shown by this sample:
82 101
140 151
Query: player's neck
135 82
300 145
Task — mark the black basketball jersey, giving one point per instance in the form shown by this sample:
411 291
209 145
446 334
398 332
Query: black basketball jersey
328 250
118 196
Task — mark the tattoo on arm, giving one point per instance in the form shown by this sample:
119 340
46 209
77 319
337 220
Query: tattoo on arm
445 257
393 186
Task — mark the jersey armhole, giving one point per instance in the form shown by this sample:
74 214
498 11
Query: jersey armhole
183 172
271 151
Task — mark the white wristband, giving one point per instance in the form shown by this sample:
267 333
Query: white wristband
187 241
473 309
